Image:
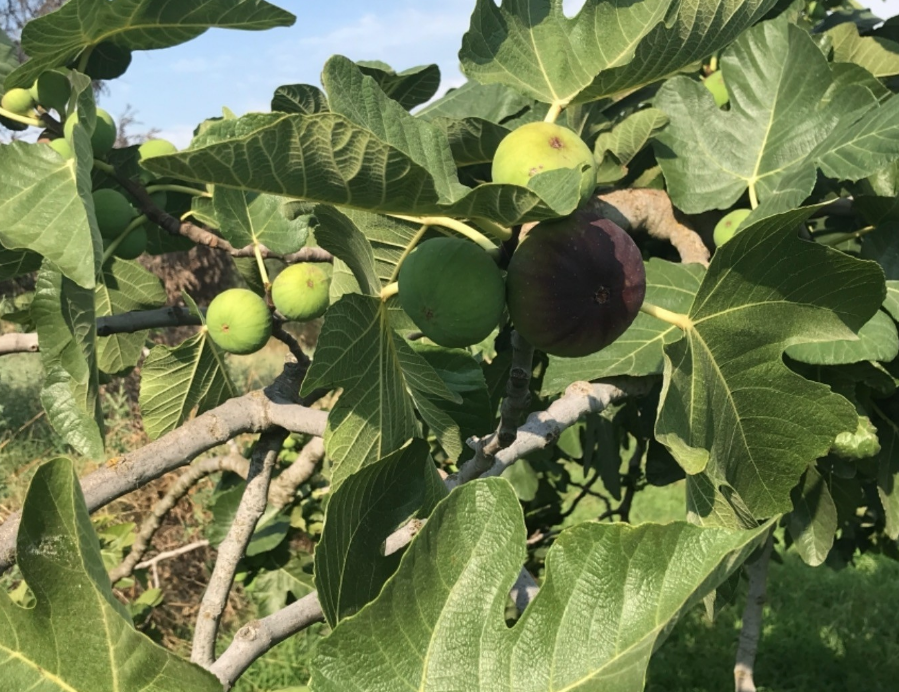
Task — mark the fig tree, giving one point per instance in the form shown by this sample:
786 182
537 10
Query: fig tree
17 101
105 132
301 292
452 290
239 321
156 147
574 285
52 90
538 147
715 84
114 212
727 227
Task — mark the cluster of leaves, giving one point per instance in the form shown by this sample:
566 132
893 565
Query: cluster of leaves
774 389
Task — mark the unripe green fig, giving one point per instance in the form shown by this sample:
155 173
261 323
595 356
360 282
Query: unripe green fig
114 212
715 84
727 227
61 146
538 147
52 90
574 285
452 290
132 245
301 292
239 321
17 101
861 444
105 132
156 147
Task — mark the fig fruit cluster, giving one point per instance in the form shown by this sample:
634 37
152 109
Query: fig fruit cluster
239 321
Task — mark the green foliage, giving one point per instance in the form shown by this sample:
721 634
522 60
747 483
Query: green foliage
452 290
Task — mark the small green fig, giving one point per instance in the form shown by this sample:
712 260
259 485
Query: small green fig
105 132
61 146
132 245
114 212
727 227
239 321
715 84
301 292
18 101
452 290
156 147
52 90
538 147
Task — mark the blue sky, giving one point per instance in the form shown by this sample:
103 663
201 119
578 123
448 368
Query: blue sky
176 88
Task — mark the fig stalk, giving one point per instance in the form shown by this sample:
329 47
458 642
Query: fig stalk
260 264
24 119
389 291
678 319
178 188
553 113
115 242
458 226
409 248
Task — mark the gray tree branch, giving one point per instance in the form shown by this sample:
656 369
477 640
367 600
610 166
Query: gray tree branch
179 489
751 631
232 550
255 412
18 343
284 487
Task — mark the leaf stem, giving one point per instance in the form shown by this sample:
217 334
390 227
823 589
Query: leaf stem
555 110
409 248
178 188
389 291
713 64
24 119
457 226
753 196
82 61
105 167
838 238
260 263
493 228
678 319
111 248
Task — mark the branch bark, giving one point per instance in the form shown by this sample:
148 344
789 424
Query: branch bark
652 211
179 489
18 343
168 555
751 632
254 412
258 636
231 551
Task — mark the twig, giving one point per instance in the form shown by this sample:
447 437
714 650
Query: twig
515 404
652 210
284 487
254 412
258 636
154 561
179 489
18 343
231 550
751 632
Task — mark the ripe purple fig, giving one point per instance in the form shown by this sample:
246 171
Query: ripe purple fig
575 284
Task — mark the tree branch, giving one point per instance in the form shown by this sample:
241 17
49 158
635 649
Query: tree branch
751 632
284 487
18 343
167 555
515 405
254 412
652 210
179 489
231 551
258 636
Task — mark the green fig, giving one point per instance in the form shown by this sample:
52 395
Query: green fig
538 147
156 147
239 321
132 245
62 147
727 227
114 212
301 292
715 84
105 132
52 90
18 101
452 290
